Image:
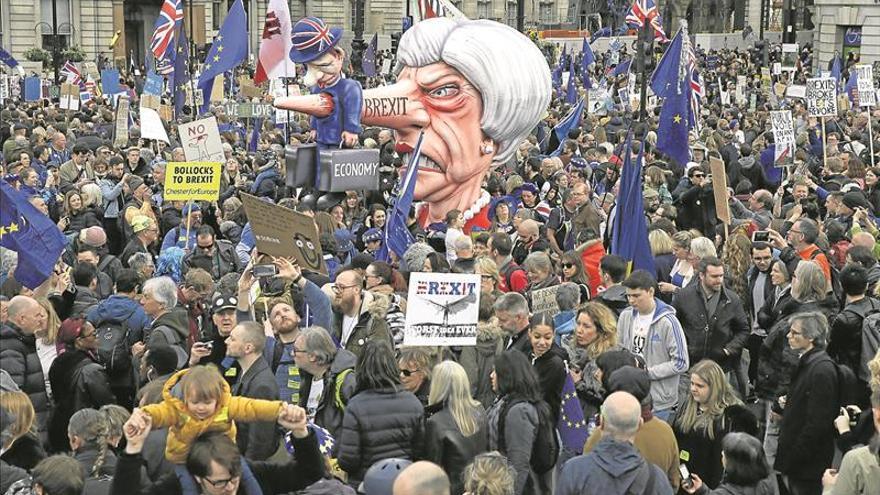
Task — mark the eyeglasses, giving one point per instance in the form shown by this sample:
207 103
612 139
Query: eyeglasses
220 483
342 288
568 265
795 231
407 373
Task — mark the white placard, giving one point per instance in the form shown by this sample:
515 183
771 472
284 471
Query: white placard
783 128
151 125
822 97
741 90
796 91
442 309
201 141
386 66
865 80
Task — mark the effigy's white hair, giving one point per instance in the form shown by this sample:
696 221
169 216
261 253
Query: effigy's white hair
508 69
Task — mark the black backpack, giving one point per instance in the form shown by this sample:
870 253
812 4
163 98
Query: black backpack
847 385
113 346
545 449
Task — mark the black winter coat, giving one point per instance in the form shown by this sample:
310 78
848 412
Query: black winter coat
257 440
78 382
448 448
776 360
845 342
379 424
806 435
696 209
328 414
708 338
18 357
550 369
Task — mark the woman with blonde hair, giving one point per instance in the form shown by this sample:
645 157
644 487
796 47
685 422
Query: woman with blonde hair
663 249
20 445
456 429
595 333
489 474
682 271
47 335
737 259
709 412
490 277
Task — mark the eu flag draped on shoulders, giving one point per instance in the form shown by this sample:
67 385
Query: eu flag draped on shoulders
672 81
34 236
228 50
629 237
397 236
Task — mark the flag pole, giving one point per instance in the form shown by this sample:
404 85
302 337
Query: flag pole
870 136
641 64
824 150
188 225
192 51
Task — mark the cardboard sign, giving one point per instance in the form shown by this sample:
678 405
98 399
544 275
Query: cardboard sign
783 134
91 69
166 112
185 181
247 88
822 97
283 232
545 300
348 170
201 141
69 99
740 90
719 189
442 309
121 138
217 89
865 81
151 101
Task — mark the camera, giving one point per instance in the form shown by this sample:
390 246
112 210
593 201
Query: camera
265 270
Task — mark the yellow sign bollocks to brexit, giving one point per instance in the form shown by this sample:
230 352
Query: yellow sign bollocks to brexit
186 181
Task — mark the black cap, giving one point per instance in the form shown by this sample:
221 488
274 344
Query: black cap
222 301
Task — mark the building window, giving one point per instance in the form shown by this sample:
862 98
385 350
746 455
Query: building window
545 13
219 8
62 23
484 10
510 14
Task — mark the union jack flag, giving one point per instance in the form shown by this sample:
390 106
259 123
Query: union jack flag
698 91
73 75
646 11
657 24
163 36
431 8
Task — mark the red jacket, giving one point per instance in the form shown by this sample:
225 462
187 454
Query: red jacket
591 254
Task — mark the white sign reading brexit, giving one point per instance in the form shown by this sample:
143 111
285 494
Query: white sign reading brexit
442 309
822 97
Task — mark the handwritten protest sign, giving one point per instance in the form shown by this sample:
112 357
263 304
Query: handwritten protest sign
822 97
121 138
283 232
865 81
545 300
186 181
443 309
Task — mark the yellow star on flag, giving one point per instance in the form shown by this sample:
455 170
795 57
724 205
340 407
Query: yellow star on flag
677 119
13 227
219 48
2 232
216 58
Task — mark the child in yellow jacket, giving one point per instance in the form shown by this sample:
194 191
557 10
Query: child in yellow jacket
198 400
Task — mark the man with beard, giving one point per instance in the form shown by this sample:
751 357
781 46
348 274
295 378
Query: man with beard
358 314
112 192
285 321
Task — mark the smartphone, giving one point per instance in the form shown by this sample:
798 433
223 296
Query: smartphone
760 236
265 270
685 474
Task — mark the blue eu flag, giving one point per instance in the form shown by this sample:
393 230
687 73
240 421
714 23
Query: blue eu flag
621 68
228 50
397 236
369 62
588 59
667 79
571 424
34 236
181 72
672 132
629 237
571 91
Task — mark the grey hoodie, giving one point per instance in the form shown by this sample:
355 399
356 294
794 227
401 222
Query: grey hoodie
612 468
665 351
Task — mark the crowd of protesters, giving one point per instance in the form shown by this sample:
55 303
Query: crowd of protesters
153 360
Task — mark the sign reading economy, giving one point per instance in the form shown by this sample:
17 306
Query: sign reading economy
442 309
199 181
